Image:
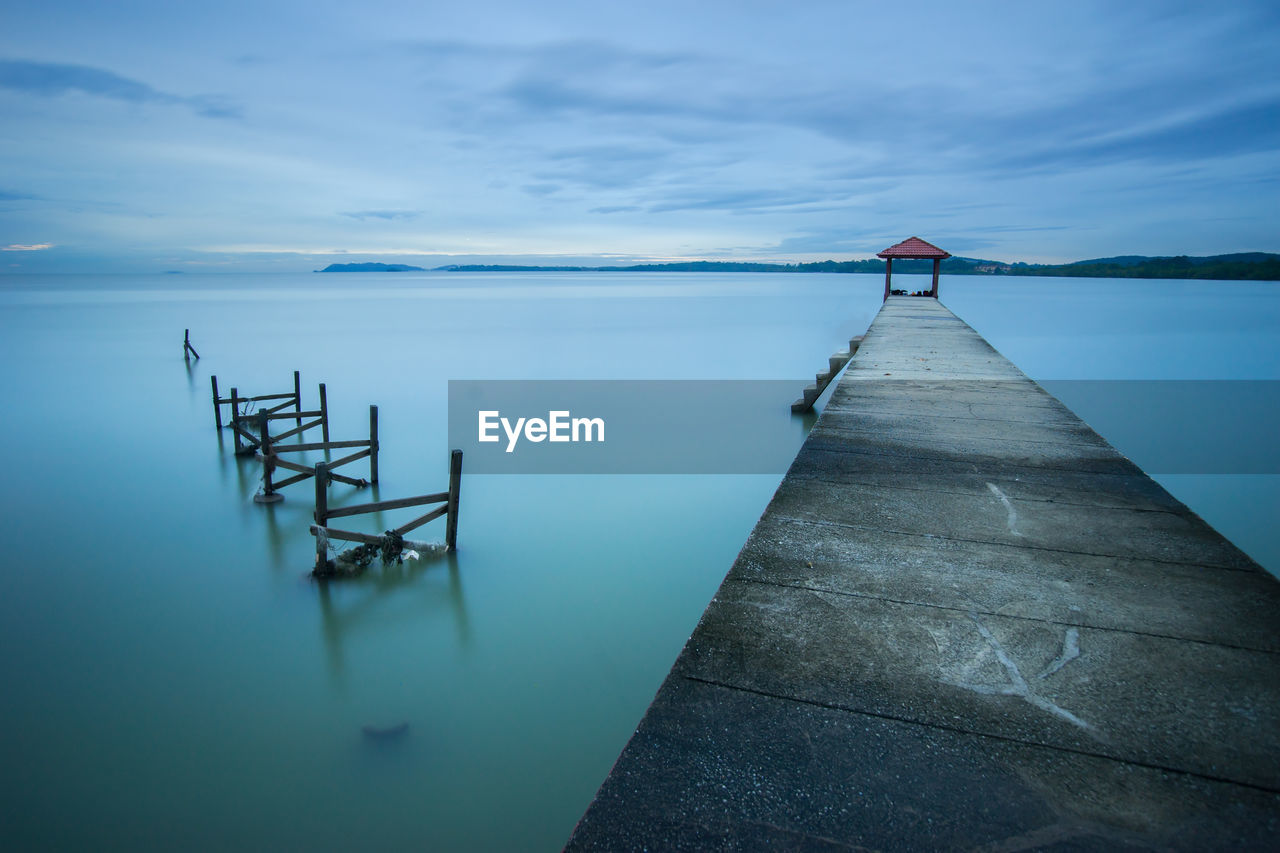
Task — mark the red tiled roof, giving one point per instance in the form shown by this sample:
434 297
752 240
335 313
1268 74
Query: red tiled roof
913 247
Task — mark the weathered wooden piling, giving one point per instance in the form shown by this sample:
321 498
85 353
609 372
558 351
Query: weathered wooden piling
269 494
187 349
373 444
455 489
321 516
235 417
297 395
324 414
217 403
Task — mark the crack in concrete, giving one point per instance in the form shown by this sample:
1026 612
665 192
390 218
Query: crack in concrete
1017 684
1013 513
1070 651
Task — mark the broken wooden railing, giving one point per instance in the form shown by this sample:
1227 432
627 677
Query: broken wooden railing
247 428
393 539
269 454
235 401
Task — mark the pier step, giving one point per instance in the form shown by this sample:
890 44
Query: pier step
835 363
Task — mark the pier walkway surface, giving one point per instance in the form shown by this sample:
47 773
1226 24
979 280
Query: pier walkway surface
964 621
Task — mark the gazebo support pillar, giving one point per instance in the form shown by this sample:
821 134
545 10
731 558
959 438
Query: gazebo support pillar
888 276
936 264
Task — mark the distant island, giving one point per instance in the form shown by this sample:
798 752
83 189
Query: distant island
371 267
1255 266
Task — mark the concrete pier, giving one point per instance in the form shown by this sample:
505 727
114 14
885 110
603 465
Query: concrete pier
963 622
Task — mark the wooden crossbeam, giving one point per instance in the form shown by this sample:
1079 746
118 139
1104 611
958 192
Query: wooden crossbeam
366 538
295 430
291 466
322 445
291 416
379 506
296 478
338 463
252 439
418 522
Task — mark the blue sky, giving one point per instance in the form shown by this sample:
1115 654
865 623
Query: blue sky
283 136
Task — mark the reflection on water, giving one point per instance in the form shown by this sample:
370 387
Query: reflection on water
176 678
375 589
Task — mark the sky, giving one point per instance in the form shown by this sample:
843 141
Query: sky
282 136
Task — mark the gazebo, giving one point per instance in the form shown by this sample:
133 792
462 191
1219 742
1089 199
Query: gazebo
912 247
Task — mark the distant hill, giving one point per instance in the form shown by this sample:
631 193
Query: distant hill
1249 266
371 267
514 268
1134 260
1256 266
1121 260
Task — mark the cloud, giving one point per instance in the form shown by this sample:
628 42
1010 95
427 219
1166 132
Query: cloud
837 240
761 129
748 200
607 166
1213 133
1014 229
544 82
19 247
1043 119
51 79
386 215
573 56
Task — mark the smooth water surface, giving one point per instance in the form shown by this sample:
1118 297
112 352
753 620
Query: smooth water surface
174 678
172 675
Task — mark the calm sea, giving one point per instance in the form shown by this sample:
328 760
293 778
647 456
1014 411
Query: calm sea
174 679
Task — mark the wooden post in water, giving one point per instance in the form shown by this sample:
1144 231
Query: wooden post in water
269 494
888 276
324 414
455 487
235 419
322 518
217 405
373 444
297 395
187 349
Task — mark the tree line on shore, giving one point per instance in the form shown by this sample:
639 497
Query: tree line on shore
1248 266
1256 266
